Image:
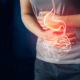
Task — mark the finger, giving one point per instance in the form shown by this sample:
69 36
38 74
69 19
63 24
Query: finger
44 12
41 22
58 32
40 18
72 39
59 46
44 27
70 34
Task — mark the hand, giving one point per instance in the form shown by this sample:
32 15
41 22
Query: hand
56 17
41 20
65 42
49 35
72 37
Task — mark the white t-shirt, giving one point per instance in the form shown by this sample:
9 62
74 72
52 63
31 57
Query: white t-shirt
62 7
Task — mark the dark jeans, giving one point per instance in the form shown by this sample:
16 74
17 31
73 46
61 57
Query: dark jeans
51 71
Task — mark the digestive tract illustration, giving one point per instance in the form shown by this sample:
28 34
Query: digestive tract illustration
59 46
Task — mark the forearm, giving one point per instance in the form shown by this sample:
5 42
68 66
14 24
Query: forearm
32 25
72 20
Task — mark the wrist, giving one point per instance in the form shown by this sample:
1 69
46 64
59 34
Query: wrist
40 34
67 20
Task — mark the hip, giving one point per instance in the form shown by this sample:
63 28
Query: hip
51 71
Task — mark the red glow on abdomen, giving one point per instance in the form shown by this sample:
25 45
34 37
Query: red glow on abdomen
52 23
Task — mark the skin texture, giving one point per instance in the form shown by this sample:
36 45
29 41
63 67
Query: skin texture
38 28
